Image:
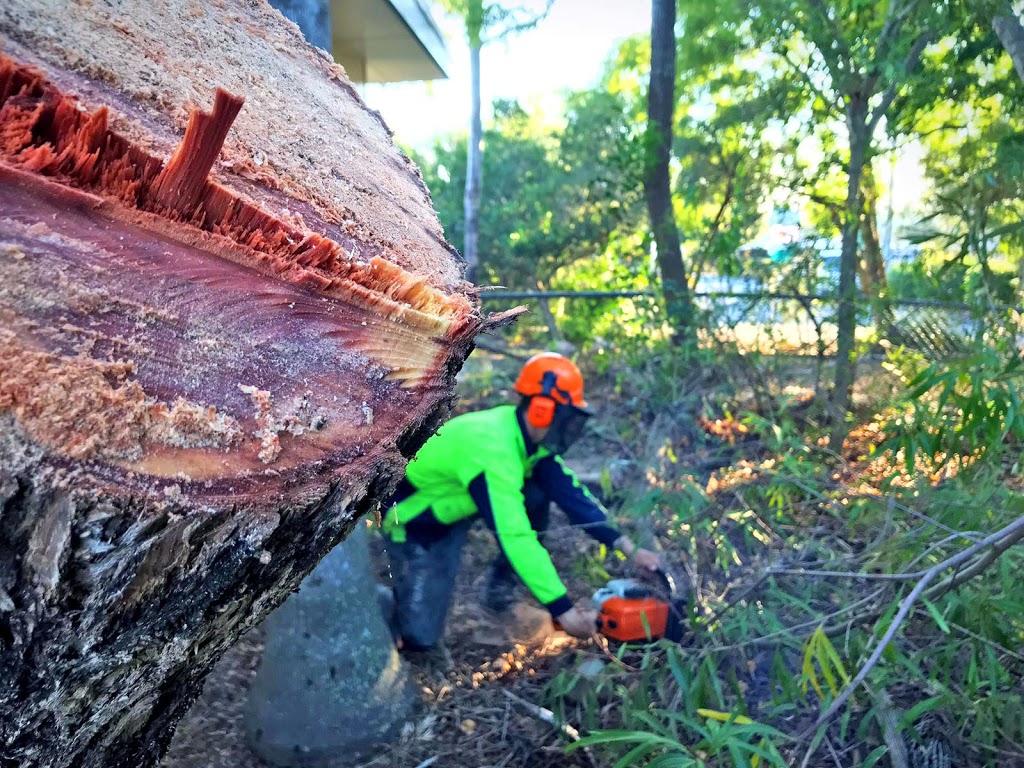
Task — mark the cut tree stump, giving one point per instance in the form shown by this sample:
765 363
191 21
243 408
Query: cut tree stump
227 312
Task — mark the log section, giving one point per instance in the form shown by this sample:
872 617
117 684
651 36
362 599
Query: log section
227 312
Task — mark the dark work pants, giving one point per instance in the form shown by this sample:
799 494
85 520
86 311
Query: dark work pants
500 587
423 574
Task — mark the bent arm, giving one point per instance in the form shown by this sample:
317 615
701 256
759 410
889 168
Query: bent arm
583 510
500 503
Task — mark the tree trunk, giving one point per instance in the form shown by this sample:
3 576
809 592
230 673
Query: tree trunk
1011 34
660 108
554 332
474 172
214 351
846 320
313 18
330 686
871 265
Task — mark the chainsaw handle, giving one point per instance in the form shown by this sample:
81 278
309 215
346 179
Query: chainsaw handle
668 581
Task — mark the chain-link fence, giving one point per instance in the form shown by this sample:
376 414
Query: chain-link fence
755 321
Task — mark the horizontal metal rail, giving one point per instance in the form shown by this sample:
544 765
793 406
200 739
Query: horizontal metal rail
500 295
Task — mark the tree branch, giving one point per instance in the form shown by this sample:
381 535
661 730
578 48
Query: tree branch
893 21
716 223
1000 541
806 75
519 20
909 64
837 33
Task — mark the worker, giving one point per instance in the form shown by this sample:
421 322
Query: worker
503 466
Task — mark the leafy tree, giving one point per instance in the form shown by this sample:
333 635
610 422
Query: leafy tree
721 156
852 59
725 155
974 140
843 72
484 22
554 196
978 200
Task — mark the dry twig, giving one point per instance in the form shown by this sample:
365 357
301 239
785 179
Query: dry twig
547 716
999 541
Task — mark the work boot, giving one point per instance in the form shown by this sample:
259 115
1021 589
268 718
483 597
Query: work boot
499 593
435 662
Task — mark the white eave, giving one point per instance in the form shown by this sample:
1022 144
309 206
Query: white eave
386 41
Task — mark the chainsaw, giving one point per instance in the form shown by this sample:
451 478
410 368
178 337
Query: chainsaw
628 610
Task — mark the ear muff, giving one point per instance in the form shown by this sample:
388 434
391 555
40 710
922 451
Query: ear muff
541 411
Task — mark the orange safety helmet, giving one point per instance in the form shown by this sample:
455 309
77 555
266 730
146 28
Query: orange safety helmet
549 379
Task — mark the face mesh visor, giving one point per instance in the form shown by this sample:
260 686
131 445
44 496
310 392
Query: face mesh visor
567 427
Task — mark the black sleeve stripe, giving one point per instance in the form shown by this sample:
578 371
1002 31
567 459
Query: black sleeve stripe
557 607
481 495
582 509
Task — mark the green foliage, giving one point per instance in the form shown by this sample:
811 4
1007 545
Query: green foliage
822 662
485 21
552 196
978 200
673 715
964 411
929 277
763 121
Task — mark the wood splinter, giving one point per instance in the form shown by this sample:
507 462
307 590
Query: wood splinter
182 182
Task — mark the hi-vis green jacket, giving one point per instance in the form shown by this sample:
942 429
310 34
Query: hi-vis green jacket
477 464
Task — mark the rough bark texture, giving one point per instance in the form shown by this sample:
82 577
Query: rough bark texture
660 109
871 266
221 328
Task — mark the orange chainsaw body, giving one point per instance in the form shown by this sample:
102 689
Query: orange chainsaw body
632 619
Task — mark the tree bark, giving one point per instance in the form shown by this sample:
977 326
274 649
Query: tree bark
474 171
221 332
871 265
660 109
846 316
1011 34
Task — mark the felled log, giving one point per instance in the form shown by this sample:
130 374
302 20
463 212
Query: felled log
227 311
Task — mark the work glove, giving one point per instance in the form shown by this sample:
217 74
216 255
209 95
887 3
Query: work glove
581 623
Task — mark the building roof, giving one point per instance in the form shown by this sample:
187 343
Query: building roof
383 41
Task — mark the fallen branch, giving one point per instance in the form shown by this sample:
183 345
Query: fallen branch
956 579
547 716
1000 541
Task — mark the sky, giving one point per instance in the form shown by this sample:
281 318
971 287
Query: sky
565 51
